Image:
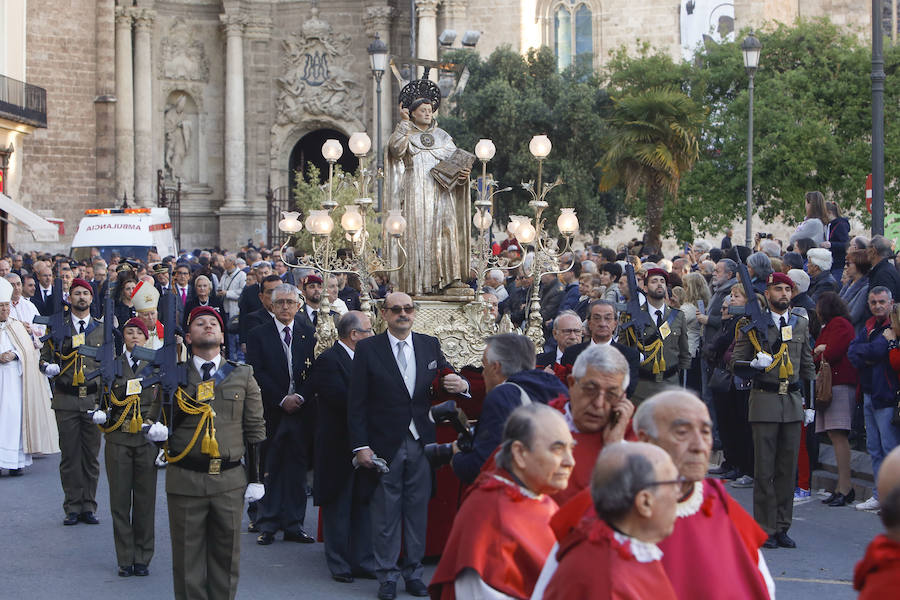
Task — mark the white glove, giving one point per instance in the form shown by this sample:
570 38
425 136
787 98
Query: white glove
158 433
51 370
255 492
761 361
809 415
98 417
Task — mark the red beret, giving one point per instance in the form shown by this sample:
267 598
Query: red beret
136 322
206 310
777 277
313 278
79 282
661 272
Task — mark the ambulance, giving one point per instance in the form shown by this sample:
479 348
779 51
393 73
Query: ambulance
126 232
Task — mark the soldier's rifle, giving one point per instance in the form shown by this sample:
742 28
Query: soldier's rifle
637 318
109 368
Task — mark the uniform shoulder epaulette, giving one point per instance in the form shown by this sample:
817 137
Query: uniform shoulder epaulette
235 363
800 312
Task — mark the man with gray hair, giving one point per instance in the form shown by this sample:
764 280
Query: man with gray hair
567 331
494 283
23 310
883 272
760 267
509 507
634 489
818 266
510 380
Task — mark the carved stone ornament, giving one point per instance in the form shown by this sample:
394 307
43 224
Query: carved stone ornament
318 79
183 56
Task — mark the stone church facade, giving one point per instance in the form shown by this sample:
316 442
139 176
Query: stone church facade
227 97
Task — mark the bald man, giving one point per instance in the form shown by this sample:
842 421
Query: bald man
877 575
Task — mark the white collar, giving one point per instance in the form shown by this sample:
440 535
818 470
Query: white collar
776 316
643 552
525 491
347 348
75 320
199 362
559 354
689 506
593 343
394 341
570 421
280 326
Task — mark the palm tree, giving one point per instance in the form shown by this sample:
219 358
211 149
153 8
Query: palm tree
653 141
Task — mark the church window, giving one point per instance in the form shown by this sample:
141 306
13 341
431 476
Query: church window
573 35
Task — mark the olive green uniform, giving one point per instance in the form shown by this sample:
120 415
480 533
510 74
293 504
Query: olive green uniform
776 413
79 438
131 473
674 351
205 509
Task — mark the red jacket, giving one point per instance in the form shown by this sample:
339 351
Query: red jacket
836 336
877 575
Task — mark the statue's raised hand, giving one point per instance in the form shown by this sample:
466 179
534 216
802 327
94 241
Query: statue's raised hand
404 113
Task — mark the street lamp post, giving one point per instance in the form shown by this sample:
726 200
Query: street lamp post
751 48
378 62
878 77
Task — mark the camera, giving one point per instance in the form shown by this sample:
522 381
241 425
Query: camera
447 412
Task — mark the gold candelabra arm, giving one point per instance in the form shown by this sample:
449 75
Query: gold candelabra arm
326 332
535 330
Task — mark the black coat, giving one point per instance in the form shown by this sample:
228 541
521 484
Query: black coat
837 232
350 297
631 355
44 307
328 384
886 274
248 303
193 302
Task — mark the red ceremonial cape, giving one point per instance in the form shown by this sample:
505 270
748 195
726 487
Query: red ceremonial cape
502 534
715 548
593 565
877 575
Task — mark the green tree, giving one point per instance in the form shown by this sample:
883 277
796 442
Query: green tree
652 143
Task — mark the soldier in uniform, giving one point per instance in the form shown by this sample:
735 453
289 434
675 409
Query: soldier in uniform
205 484
778 360
129 459
74 401
663 344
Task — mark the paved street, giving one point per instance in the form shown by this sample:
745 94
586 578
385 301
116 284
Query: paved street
47 560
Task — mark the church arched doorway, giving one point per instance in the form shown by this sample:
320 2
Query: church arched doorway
308 151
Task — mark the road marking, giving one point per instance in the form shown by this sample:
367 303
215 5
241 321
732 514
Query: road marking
808 580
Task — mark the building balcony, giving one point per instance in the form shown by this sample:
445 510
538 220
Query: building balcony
22 102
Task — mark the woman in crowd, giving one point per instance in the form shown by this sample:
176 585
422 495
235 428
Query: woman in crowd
696 299
203 297
124 308
837 238
813 227
832 343
856 289
609 277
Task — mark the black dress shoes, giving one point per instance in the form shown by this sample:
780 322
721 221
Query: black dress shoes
140 570
770 543
71 519
16 472
252 527
343 578
126 571
299 536
265 538
843 499
416 587
89 518
784 541
387 590
831 497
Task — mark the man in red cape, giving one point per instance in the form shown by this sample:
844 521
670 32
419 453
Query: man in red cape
501 535
715 544
597 411
613 555
877 575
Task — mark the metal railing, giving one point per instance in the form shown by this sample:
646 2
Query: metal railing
23 102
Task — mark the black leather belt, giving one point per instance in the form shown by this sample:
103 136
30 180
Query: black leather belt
75 389
651 377
776 388
211 466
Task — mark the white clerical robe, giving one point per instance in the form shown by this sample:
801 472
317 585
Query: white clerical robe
25 311
12 455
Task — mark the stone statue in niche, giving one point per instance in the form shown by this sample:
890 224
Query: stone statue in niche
179 130
317 78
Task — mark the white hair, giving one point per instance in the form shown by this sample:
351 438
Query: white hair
821 257
800 279
606 359
701 246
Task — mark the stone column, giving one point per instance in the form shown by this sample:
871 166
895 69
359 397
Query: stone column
427 42
455 17
378 20
234 111
124 106
143 108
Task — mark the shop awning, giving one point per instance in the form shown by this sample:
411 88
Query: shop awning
41 229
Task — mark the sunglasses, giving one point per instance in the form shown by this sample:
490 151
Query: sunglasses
401 309
681 480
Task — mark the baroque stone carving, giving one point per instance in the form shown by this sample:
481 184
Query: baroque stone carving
183 57
317 78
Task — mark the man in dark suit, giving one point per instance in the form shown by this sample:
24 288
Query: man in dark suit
183 288
388 420
602 321
346 524
253 310
280 352
41 298
567 331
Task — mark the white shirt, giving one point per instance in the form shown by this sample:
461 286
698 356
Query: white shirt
199 362
349 350
287 350
593 343
309 311
45 292
776 317
76 322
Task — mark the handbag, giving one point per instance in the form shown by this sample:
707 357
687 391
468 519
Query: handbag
720 380
823 386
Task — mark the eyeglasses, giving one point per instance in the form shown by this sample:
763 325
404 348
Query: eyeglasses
284 302
680 480
609 394
596 317
400 309
366 331
569 331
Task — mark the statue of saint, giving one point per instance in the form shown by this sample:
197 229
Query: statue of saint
437 231
178 137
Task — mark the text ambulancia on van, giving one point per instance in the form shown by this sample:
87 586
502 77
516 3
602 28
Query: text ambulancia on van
127 232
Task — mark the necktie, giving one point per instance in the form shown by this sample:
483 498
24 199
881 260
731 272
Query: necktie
401 356
134 364
783 323
659 318
183 295
315 319
206 368
80 326
287 336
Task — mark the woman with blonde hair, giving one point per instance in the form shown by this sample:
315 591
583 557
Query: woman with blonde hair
696 300
813 227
